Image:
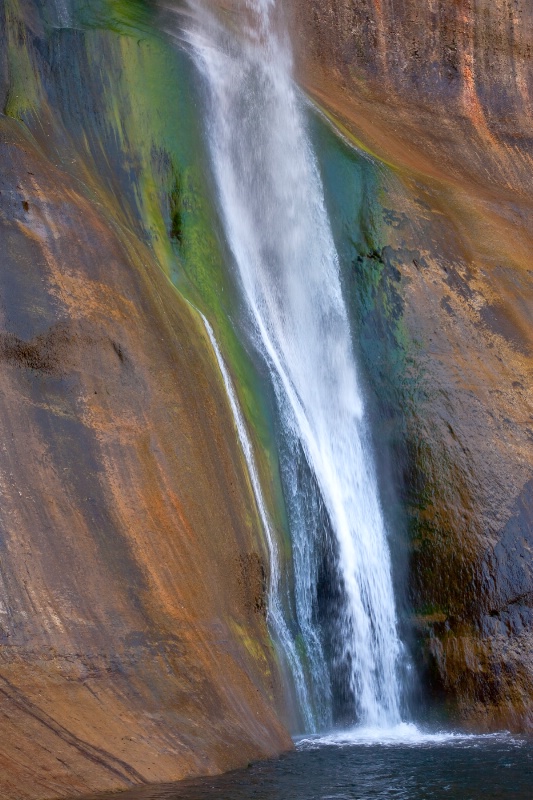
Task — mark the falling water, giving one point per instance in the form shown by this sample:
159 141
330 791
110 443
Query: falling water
63 14
273 212
275 607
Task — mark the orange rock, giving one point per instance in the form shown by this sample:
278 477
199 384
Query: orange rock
127 520
442 92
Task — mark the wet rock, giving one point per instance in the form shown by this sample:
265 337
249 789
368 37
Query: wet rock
443 93
129 652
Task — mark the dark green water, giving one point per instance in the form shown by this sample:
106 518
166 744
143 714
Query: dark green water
469 768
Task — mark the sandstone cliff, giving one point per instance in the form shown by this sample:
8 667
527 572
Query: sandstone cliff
133 641
442 93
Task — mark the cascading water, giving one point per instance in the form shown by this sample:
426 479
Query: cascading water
273 212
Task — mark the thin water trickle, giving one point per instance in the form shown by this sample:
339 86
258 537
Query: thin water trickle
275 610
273 212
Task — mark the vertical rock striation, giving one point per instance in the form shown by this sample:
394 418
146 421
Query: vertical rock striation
133 640
442 92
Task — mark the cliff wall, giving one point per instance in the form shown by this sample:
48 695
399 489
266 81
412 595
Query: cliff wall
441 93
133 640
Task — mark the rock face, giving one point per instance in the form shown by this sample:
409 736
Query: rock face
133 640
133 643
442 92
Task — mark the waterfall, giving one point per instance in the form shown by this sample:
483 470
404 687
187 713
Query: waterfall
63 14
273 213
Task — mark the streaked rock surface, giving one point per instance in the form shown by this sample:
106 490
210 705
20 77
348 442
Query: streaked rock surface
442 92
133 640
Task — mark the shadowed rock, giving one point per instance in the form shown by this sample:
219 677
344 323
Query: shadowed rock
443 93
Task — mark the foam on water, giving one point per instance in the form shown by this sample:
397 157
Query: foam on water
403 734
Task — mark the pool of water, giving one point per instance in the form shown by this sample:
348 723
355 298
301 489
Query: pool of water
366 765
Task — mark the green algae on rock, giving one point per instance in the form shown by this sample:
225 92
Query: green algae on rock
444 97
131 650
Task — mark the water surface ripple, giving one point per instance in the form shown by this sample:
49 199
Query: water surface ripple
411 767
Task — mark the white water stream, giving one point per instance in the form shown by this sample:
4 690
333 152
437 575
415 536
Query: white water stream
275 607
273 212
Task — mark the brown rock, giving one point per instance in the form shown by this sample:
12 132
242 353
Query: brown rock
442 92
132 649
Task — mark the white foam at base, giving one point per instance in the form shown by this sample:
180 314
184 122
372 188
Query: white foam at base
404 734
